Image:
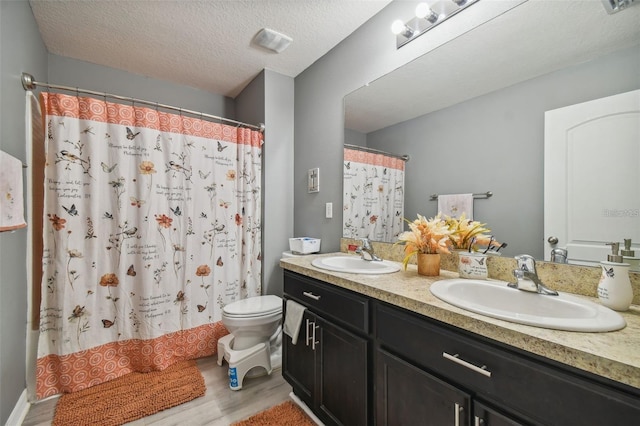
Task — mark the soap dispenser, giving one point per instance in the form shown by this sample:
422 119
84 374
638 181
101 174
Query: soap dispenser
614 288
629 256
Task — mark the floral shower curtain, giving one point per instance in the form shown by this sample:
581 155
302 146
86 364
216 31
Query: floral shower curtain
152 225
373 205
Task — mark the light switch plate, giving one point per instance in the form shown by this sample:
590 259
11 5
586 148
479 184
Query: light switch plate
328 210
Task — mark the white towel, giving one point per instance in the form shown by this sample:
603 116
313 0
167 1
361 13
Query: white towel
455 204
11 193
293 320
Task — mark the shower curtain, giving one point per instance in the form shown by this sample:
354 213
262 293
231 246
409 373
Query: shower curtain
151 225
373 204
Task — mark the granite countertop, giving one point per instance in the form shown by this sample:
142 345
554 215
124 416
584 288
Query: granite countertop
614 355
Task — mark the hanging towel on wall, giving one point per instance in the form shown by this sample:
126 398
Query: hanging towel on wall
11 195
293 320
455 205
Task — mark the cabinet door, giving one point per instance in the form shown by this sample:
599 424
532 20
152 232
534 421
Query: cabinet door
299 361
487 416
406 395
342 375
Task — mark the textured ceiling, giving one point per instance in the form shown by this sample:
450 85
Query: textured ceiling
532 39
202 44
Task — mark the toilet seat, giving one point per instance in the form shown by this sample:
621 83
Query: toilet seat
253 307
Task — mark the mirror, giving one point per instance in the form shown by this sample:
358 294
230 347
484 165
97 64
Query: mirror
470 114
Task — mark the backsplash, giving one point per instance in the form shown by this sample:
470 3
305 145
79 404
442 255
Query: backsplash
574 279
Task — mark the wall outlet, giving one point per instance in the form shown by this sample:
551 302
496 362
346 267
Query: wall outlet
314 180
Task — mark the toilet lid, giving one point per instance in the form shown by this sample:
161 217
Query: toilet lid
252 306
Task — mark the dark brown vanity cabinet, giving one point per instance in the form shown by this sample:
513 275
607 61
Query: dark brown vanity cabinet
327 367
450 377
407 395
360 361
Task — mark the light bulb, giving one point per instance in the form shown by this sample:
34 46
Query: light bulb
423 11
397 27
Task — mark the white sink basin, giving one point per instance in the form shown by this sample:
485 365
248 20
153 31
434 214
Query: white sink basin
495 299
355 265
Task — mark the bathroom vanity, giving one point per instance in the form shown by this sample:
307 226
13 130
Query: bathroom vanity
380 349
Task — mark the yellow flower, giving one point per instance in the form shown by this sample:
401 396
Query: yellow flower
466 233
425 236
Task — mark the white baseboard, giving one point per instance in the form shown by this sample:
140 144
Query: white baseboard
306 409
19 411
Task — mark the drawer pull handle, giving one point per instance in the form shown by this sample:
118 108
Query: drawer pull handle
456 358
308 337
314 342
311 295
456 415
478 421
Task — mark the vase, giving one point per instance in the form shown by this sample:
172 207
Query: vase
472 265
429 264
614 289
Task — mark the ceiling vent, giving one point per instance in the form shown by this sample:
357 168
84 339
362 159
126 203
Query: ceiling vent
272 40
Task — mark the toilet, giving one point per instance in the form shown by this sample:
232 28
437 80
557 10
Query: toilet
253 347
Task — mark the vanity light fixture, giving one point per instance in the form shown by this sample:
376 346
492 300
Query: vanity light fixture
400 28
424 11
615 6
428 15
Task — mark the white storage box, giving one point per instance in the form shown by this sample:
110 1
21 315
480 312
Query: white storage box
304 245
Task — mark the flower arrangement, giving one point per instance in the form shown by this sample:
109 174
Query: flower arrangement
426 236
466 233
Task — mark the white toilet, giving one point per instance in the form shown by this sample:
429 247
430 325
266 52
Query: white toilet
254 346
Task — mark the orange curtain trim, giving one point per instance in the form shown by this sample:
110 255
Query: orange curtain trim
86 108
373 159
80 370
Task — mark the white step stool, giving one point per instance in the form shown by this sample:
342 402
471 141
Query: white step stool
240 362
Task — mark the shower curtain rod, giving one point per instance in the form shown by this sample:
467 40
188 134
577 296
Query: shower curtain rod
28 83
404 157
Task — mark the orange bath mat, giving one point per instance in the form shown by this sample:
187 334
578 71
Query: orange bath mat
286 414
131 397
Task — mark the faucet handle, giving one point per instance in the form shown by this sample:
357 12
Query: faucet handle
366 245
526 263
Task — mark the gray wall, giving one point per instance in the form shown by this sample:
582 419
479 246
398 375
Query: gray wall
71 72
365 55
496 143
268 99
353 137
21 50
278 188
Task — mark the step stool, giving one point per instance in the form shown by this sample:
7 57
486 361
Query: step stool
240 362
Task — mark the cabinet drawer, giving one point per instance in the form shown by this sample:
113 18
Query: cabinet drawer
542 392
331 302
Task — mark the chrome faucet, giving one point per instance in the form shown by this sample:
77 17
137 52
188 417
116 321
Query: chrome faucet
367 248
527 278
559 255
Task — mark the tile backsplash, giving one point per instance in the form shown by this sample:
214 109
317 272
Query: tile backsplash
561 277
